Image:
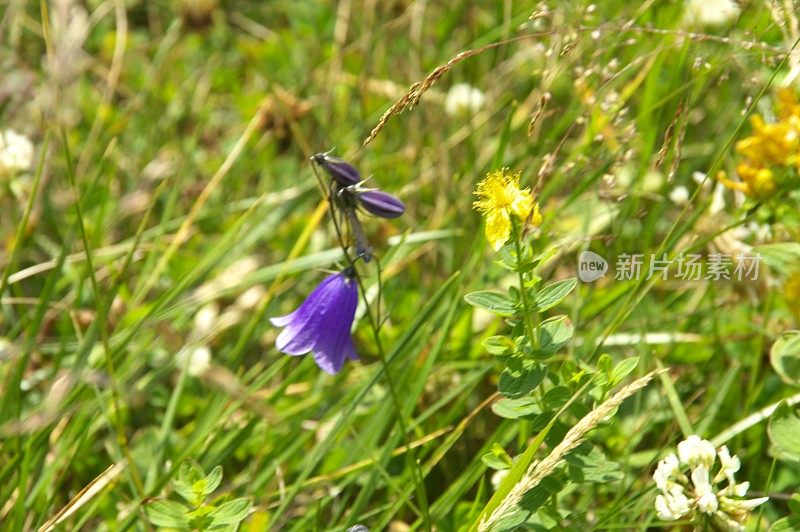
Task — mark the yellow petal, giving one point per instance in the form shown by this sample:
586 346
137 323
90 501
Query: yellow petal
498 228
536 218
522 204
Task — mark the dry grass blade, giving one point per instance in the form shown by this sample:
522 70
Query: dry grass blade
668 135
412 97
84 496
541 105
539 470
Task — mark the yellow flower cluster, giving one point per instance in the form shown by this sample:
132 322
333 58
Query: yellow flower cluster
500 198
771 152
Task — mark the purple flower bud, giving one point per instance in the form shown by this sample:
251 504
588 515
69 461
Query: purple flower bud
321 324
381 204
343 172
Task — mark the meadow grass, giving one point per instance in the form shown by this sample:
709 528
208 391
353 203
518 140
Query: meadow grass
171 205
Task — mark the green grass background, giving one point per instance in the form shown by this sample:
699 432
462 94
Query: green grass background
163 168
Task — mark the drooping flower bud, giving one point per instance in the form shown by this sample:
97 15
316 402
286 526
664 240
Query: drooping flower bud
343 172
381 204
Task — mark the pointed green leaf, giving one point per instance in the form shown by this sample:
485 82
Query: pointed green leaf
516 408
554 334
494 302
169 514
553 294
231 512
623 369
498 345
518 382
212 480
497 459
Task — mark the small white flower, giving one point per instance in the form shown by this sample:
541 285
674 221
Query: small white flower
706 499
16 152
744 505
679 195
205 319
740 490
667 468
199 360
730 464
463 99
717 199
710 12
498 477
695 451
673 504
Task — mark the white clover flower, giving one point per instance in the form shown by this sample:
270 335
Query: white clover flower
679 195
16 152
710 12
695 451
463 99
699 493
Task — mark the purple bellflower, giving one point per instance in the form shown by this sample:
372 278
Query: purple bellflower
321 324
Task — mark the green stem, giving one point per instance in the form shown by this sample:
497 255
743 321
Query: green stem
532 327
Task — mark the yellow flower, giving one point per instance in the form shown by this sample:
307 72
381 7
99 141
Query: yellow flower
771 144
772 152
787 103
758 182
500 198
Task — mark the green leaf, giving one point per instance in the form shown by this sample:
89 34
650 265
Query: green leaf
498 345
231 512
605 363
554 334
212 480
494 302
784 430
169 514
589 464
553 294
785 357
507 257
516 408
497 459
191 482
787 524
623 369
794 504
190 472
534 498
518 382
556 398
782 257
